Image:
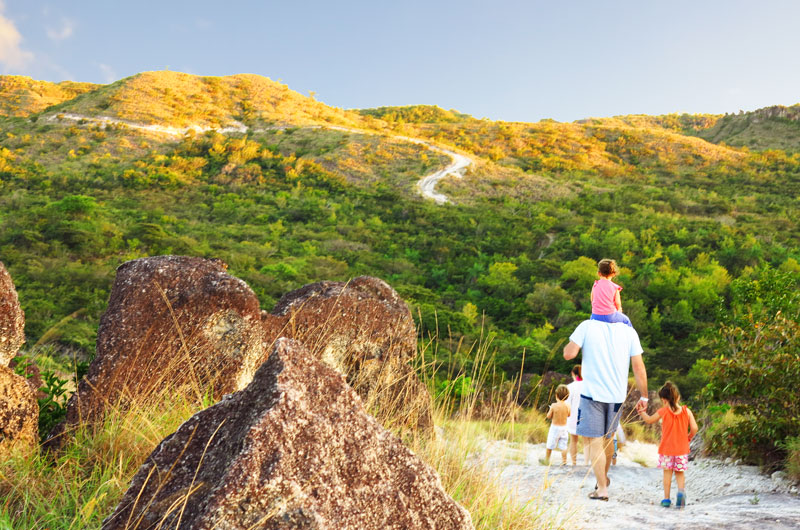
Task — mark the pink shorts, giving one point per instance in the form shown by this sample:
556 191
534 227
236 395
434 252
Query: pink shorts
676 463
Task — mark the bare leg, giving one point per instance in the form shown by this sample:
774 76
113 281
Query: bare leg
597 456
608 449
667 482
547 455
564 457
680 478
573 448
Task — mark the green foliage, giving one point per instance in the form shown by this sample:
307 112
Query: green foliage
459 388
759 371
53 402
514 260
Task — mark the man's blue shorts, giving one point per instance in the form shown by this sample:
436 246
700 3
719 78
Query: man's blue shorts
596 419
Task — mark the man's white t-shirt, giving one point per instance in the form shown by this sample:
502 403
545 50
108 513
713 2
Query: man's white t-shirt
607 349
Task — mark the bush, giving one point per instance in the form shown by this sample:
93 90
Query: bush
759 371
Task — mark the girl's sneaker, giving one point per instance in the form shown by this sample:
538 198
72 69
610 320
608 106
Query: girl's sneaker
680 500
666 503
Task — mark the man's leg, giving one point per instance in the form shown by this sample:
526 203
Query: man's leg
597 455
608 449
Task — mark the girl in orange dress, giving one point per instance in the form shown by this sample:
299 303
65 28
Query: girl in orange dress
678 427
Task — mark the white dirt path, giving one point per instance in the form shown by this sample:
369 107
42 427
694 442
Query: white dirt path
719 495
426 185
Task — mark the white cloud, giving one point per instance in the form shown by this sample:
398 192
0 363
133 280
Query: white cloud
12 56
64 31
109 75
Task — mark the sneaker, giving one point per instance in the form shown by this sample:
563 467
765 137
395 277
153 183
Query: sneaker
666 503
680 500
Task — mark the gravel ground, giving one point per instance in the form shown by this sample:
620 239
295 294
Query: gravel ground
720 494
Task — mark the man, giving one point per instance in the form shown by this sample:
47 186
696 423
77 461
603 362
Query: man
607 351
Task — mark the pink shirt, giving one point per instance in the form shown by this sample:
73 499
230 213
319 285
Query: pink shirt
603 293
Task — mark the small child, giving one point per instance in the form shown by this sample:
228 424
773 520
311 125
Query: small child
558 436
606 302
678 427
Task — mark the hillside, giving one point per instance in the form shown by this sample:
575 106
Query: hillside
184 100
23 96
288 198
776 127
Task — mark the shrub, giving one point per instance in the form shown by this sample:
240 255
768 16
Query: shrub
759 371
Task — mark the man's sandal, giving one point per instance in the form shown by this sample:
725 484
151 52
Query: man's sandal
595 497
666 503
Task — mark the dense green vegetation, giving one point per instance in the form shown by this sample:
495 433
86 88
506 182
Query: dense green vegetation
511 261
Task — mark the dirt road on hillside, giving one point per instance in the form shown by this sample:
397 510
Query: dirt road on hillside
426 185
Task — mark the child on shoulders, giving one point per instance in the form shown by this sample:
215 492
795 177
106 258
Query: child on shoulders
558 435
678 427
606 302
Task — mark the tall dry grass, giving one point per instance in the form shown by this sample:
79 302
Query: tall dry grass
78 486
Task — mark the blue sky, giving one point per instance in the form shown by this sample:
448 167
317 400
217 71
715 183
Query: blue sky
504 59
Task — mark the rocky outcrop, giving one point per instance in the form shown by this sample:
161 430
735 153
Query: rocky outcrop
12 319
364 330
295 449
19 410
19 414
176 324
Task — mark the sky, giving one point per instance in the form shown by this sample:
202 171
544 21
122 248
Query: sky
513 60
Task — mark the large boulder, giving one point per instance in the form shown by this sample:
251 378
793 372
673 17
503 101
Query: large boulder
295 449
364 330
12 319
176 324
19 414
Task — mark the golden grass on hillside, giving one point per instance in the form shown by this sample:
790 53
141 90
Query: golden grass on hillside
178 99
22 96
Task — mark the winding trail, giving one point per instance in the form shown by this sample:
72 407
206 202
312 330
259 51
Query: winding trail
426 185
720 494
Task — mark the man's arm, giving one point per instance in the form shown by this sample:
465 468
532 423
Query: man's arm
640 376
571 351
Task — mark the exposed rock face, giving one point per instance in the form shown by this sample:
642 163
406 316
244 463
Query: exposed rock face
364 330
295 449
12 319
177 323
19 413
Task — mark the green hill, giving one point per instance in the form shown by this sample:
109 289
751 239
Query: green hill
290 201
23 96
775 127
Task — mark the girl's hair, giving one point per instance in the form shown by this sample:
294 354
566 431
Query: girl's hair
562 392
606 267
576 371
669 393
